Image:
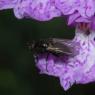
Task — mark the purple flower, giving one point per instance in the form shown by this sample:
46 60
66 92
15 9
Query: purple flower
70 70
41 10
84 8
44 10
77 10
74 70
7 4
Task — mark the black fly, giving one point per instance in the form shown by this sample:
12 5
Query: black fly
53 45
58 47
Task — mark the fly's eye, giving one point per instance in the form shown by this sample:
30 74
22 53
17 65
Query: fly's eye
45 45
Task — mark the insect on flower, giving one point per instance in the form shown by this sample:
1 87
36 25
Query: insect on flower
55 46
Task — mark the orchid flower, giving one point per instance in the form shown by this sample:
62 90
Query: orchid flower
80 68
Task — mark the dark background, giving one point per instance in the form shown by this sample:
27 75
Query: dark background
18 74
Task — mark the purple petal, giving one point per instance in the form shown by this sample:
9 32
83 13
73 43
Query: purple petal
41 10
7 4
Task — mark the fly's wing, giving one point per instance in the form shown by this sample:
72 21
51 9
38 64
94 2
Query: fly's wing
63 41
63 46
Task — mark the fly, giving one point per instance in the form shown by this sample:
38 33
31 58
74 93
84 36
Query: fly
53 45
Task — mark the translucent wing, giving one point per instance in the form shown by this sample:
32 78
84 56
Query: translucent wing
63 46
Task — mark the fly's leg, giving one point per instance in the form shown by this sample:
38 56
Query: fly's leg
47 57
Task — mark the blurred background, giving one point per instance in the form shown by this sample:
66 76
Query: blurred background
18 74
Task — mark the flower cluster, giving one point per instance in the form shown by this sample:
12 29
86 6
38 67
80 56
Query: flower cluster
43 10
78 69
78 10
37 9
